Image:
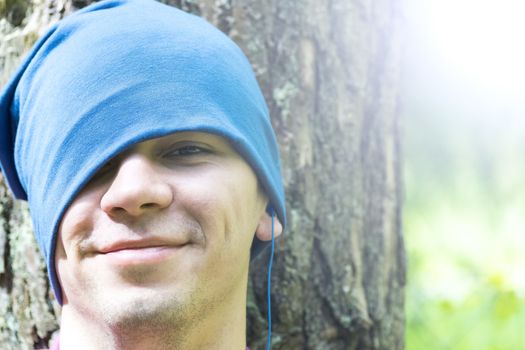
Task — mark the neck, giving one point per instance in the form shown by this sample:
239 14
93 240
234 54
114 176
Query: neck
222 327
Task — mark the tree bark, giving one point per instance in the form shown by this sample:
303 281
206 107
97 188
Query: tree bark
330 74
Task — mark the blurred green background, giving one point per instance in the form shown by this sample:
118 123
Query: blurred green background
464 132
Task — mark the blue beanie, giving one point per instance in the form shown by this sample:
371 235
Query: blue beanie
113 74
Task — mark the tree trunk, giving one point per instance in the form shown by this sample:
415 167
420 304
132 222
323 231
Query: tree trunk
330 74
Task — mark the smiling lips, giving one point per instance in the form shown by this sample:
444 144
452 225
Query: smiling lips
139 252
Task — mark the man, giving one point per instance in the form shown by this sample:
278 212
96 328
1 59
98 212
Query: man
140 138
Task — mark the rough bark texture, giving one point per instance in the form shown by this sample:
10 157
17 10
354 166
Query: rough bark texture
329 71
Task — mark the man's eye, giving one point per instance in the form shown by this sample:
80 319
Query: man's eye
188 150
108 167
104 170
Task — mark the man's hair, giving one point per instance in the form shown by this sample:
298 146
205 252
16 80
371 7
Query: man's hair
116 73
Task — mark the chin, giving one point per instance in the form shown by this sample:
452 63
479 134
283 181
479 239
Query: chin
145 310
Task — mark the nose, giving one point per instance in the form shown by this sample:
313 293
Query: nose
137 188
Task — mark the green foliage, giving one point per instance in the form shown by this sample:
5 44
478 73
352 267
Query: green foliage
465 229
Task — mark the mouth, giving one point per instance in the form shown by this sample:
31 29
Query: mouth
139 252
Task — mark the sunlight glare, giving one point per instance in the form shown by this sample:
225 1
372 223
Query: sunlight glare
482 40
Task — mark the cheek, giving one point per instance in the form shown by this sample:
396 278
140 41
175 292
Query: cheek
205 202
77 223
226 204
247 201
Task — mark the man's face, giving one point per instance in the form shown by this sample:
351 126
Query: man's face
162 230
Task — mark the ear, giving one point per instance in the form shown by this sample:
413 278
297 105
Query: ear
264 229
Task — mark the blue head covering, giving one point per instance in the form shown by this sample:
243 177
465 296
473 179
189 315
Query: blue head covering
113 74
